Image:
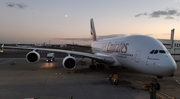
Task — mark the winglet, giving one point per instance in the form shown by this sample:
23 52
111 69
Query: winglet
2 46
93 31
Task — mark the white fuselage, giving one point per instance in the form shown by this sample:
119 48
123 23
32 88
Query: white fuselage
133 52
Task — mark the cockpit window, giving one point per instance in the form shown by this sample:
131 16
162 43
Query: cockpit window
162 51
156 51
152 52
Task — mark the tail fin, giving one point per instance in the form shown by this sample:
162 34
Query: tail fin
93 31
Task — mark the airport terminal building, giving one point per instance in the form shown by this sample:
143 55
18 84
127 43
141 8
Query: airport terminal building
173 46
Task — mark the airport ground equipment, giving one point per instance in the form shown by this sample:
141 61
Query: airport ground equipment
50 57
114 78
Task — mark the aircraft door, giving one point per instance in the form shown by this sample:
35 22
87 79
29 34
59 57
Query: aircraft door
137 55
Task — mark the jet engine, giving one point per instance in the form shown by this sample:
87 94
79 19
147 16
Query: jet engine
69 62
32 57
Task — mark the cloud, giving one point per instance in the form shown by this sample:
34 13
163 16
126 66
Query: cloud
14 5
159 13
168 14
169 17
166 34
149 34
73 39
110 36
140 14
89 39
178 14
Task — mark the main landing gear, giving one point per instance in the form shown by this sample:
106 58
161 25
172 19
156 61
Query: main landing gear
95 65
154 84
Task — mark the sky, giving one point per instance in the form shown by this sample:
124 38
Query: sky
68 21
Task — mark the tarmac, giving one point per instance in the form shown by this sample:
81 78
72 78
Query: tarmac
45 80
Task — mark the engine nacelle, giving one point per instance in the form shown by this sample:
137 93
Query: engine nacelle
32 57
69 62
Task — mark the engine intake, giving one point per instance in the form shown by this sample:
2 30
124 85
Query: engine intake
32 57
69 62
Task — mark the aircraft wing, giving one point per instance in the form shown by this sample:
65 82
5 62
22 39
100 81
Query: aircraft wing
101 58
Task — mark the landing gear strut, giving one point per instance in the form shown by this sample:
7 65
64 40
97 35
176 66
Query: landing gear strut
92 66
155 82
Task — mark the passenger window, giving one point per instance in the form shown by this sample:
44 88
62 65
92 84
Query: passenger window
152 52
162 51
156 51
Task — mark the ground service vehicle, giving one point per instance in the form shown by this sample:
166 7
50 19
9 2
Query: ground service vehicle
114 78
50 57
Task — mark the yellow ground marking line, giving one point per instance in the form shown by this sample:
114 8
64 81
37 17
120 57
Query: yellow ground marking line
161 97
159 94
168 96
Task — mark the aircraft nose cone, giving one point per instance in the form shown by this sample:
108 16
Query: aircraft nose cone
170 67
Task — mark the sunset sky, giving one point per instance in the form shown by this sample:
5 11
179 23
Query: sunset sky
67 21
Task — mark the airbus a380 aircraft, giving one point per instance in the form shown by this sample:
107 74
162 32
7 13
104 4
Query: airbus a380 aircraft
138 52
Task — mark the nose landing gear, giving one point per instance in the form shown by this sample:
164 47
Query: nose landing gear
155 83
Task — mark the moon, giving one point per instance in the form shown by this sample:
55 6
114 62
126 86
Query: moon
65 15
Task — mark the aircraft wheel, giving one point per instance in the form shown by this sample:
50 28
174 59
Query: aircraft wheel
158 86
90 66
171 75
111 82
100 66
110 78
94 67
117 82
